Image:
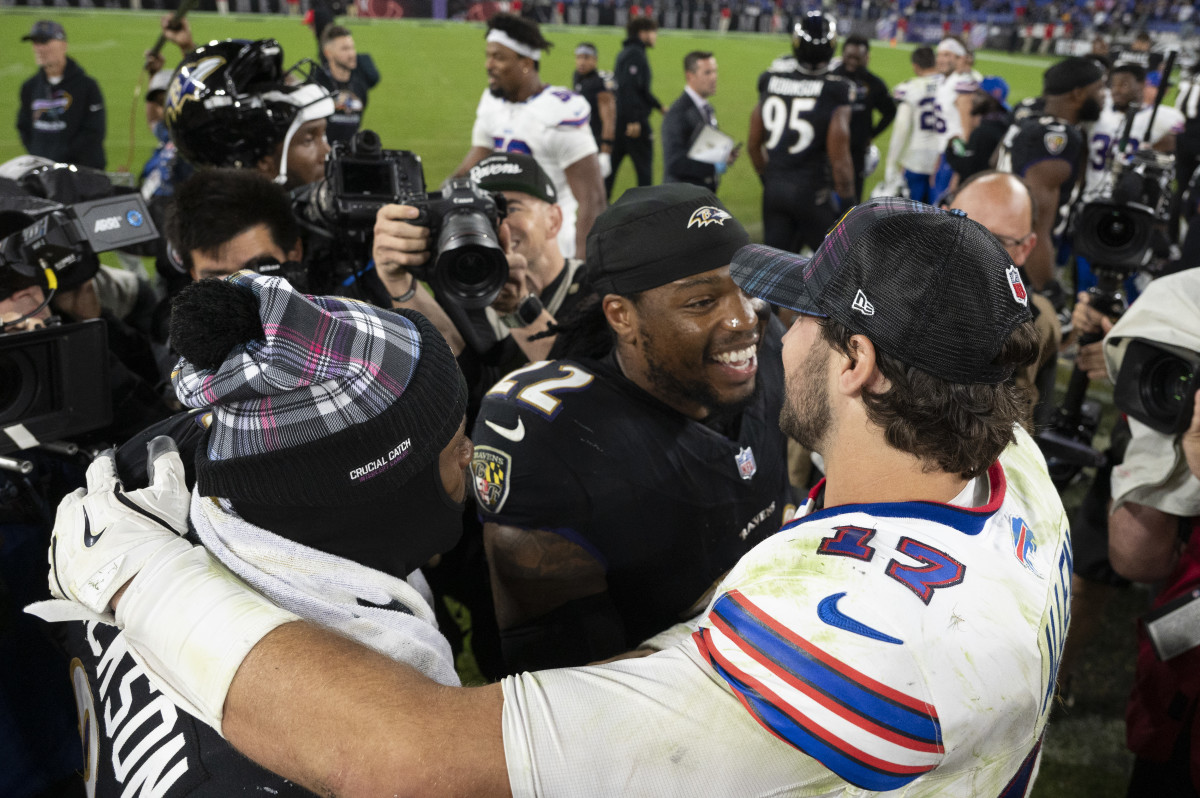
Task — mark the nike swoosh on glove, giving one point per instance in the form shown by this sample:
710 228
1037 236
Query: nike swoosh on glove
104 535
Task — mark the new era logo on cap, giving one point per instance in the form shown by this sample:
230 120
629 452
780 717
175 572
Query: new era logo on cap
862 304
706 215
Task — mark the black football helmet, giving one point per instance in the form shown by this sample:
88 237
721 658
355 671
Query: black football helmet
814 39
230 103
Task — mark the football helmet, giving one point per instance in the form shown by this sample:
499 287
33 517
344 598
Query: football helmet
814 39
230 103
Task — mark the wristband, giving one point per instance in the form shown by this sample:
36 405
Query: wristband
410 293
189 622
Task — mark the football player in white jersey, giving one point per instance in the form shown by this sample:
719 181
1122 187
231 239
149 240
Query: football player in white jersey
915 142
519 113
903 633
954 98
1127 83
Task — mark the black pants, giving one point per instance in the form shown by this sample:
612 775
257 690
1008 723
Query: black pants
797 211
640 151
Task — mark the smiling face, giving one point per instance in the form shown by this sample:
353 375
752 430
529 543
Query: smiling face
693 343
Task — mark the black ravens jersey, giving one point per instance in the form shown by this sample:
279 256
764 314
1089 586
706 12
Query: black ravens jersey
137 742
797 108
589 87
664 503
1045 138
1030 107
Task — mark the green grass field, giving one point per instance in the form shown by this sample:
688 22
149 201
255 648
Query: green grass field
432 78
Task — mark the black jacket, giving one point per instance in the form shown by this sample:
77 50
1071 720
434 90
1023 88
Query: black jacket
635 101
65 123
871 94
679 127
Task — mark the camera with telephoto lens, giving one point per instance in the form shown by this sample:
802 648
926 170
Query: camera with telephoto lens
1123 227
467 265
1157 384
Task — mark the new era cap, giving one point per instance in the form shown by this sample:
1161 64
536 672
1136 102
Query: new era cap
929 287
513 171
44 30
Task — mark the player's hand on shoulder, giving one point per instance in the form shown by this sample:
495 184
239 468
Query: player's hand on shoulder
399 241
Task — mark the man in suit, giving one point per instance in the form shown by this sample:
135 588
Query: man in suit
686 116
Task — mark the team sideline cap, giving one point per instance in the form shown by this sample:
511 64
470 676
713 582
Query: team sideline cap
316 401
656 234
586 48
44 30
929 287
997 87
1070 74
514 171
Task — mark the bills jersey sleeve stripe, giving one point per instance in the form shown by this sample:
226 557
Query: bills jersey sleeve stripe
806 734
577 122
808 676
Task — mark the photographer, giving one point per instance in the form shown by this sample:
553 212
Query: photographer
1154 530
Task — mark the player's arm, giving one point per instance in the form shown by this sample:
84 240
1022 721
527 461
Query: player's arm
1143 543
587 185
1044 179
1165 144
366 65
963 103
551 598
473 156
606 104
898 143
755 140
340 719
25 114
885 105
837 144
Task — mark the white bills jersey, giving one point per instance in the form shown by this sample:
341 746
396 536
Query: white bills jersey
924 141
954 86
553 127
863 648
1106 134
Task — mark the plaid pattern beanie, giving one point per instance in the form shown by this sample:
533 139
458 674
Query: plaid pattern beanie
334 402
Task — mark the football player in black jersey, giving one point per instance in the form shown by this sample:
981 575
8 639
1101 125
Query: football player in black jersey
616 488
1045 151
799 140
599 88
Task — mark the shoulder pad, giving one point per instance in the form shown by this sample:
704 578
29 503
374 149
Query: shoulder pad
784 63
557 105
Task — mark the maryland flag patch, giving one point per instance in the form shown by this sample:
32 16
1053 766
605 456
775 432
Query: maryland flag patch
1055 142
490 469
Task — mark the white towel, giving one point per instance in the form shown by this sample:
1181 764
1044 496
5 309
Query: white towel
396 620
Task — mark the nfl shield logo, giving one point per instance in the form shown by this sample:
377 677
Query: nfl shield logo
745 463
1018 287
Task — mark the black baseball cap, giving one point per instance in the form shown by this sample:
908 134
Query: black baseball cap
44 30
654 235
929 287
514 171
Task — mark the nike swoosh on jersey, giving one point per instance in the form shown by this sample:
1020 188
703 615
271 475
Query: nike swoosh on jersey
516 434
828 612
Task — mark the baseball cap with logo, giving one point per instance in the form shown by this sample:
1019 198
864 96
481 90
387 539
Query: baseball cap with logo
929 287
514 171
997 87
654 235
44 30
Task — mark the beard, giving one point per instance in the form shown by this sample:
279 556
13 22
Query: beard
673 387
1090 110
805 416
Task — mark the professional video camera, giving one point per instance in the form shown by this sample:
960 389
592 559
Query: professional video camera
1157 384
467 266
54 381
1122 229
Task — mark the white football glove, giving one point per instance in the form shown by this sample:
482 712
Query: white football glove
605 164
103 536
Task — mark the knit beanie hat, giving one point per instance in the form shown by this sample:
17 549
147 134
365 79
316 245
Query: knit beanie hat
316 401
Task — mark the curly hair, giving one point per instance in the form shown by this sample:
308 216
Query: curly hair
958 428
